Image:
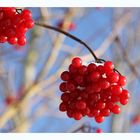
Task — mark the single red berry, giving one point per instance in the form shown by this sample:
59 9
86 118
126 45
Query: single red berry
123 101
12 40
95 112
70 113
122 80
95 76
125 94
105 112
113 77
91 67
29 23
100 105
80 104
77 115
110 105
72 69
99 119
116 109
108 65
82 70
26 14
77 62
70 86
62 107
100 69
21 41
104 84
99 130
65 97
63 87
116 89
79 79
65 76
3 39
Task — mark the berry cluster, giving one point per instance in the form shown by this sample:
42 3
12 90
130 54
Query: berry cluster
93 90
13 25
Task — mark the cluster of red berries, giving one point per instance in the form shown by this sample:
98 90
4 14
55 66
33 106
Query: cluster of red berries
13 25
93 90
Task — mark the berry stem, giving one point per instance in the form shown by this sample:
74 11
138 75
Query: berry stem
70 36
19 11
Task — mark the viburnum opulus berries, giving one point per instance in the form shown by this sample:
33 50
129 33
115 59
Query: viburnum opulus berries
13 25
92 90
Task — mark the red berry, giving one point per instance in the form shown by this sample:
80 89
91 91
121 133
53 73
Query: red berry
65 97
122 80
62 107
13 40
70 86
26 14
99 119
113 77
63 87
21 41
123 101
101 105
80 104
116 89
108 65
99 130
79 79
125 94
116 109
76 62
65 76
82 70
3 39
105 112
72 69
95 76
77 115
95 112
29 23
91 67
104 84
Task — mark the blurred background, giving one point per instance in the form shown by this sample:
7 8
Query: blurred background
30 75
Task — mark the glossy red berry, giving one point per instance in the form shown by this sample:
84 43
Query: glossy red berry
77 115
95 76
70 86
76 62
99 130
122 80
99 119
65 97
116 89
80 104
65 76
63 107
105 112
116 109
91 67
63 87
82 70
113 77
123 101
